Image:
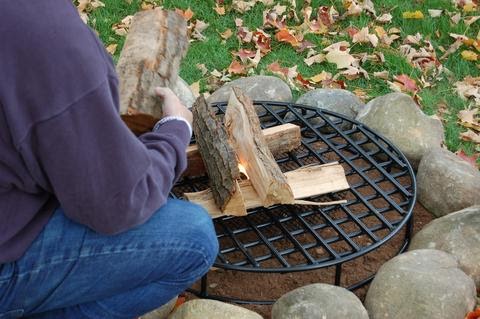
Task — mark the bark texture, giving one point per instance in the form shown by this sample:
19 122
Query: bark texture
217 154
155 45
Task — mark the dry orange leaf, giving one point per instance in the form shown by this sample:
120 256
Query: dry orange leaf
236 68
220 10
473 314
472 160
284 35
187 14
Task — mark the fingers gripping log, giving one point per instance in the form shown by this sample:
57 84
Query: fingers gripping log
155 45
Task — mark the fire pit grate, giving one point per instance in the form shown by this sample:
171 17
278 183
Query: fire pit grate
291 238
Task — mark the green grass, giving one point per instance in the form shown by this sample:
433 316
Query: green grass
215 53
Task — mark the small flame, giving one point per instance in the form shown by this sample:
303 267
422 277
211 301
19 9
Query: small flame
243 170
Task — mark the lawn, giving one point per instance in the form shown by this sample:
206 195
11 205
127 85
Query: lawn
430 79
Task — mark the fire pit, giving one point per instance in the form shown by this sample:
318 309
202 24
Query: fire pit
292 238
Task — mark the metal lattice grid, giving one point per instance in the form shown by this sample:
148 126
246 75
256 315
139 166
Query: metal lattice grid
291 238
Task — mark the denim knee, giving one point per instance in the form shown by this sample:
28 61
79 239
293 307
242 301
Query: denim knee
204 231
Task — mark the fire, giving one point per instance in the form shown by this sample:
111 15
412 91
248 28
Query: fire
243 171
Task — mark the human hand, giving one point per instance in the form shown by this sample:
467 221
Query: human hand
172 106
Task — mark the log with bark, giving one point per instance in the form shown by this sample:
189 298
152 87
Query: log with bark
155 45
280 139
245 135
219 157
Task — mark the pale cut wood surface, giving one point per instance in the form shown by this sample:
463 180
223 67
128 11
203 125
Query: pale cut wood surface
304 182
280 139
154 47
245 135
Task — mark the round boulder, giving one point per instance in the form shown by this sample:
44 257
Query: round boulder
184 92
458 234
319 301
446 183
212 309
162 312
397 117
424 283
259 87
339 101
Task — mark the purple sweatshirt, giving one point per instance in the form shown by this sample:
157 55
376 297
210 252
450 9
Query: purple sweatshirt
62 142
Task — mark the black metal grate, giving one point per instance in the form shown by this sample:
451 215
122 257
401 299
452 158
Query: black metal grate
288 238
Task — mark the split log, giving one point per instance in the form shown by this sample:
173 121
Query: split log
280 139
155 45
305 182
245 135
219 158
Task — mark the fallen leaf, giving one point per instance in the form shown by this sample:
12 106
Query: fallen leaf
195 87
236 68
123 26
363 36
469 88
318 58
220 10
468 21
469 55
226 34
413 15
339 54
384 18
285 35
469 119
111 48
262 41
198 28
243 6
187 14
473 314
403 83
321 77
456 18
202 68
472 160
434 13
470 136
382 75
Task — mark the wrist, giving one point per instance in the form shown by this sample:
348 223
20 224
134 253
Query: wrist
173 118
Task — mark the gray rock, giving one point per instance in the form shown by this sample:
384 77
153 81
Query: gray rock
212 309
446 183
184 93
398 118
340 101
319 301
162 312
458 234
424 283
259 87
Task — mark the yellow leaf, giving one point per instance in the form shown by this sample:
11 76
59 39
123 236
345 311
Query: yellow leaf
227 34
469 55
469 7
220 10
413 15
112 48
321 77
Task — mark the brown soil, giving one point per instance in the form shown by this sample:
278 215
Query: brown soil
244 285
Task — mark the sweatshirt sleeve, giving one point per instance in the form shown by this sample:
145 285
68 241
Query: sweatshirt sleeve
102 175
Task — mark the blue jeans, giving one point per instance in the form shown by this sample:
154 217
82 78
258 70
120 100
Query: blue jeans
71 271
